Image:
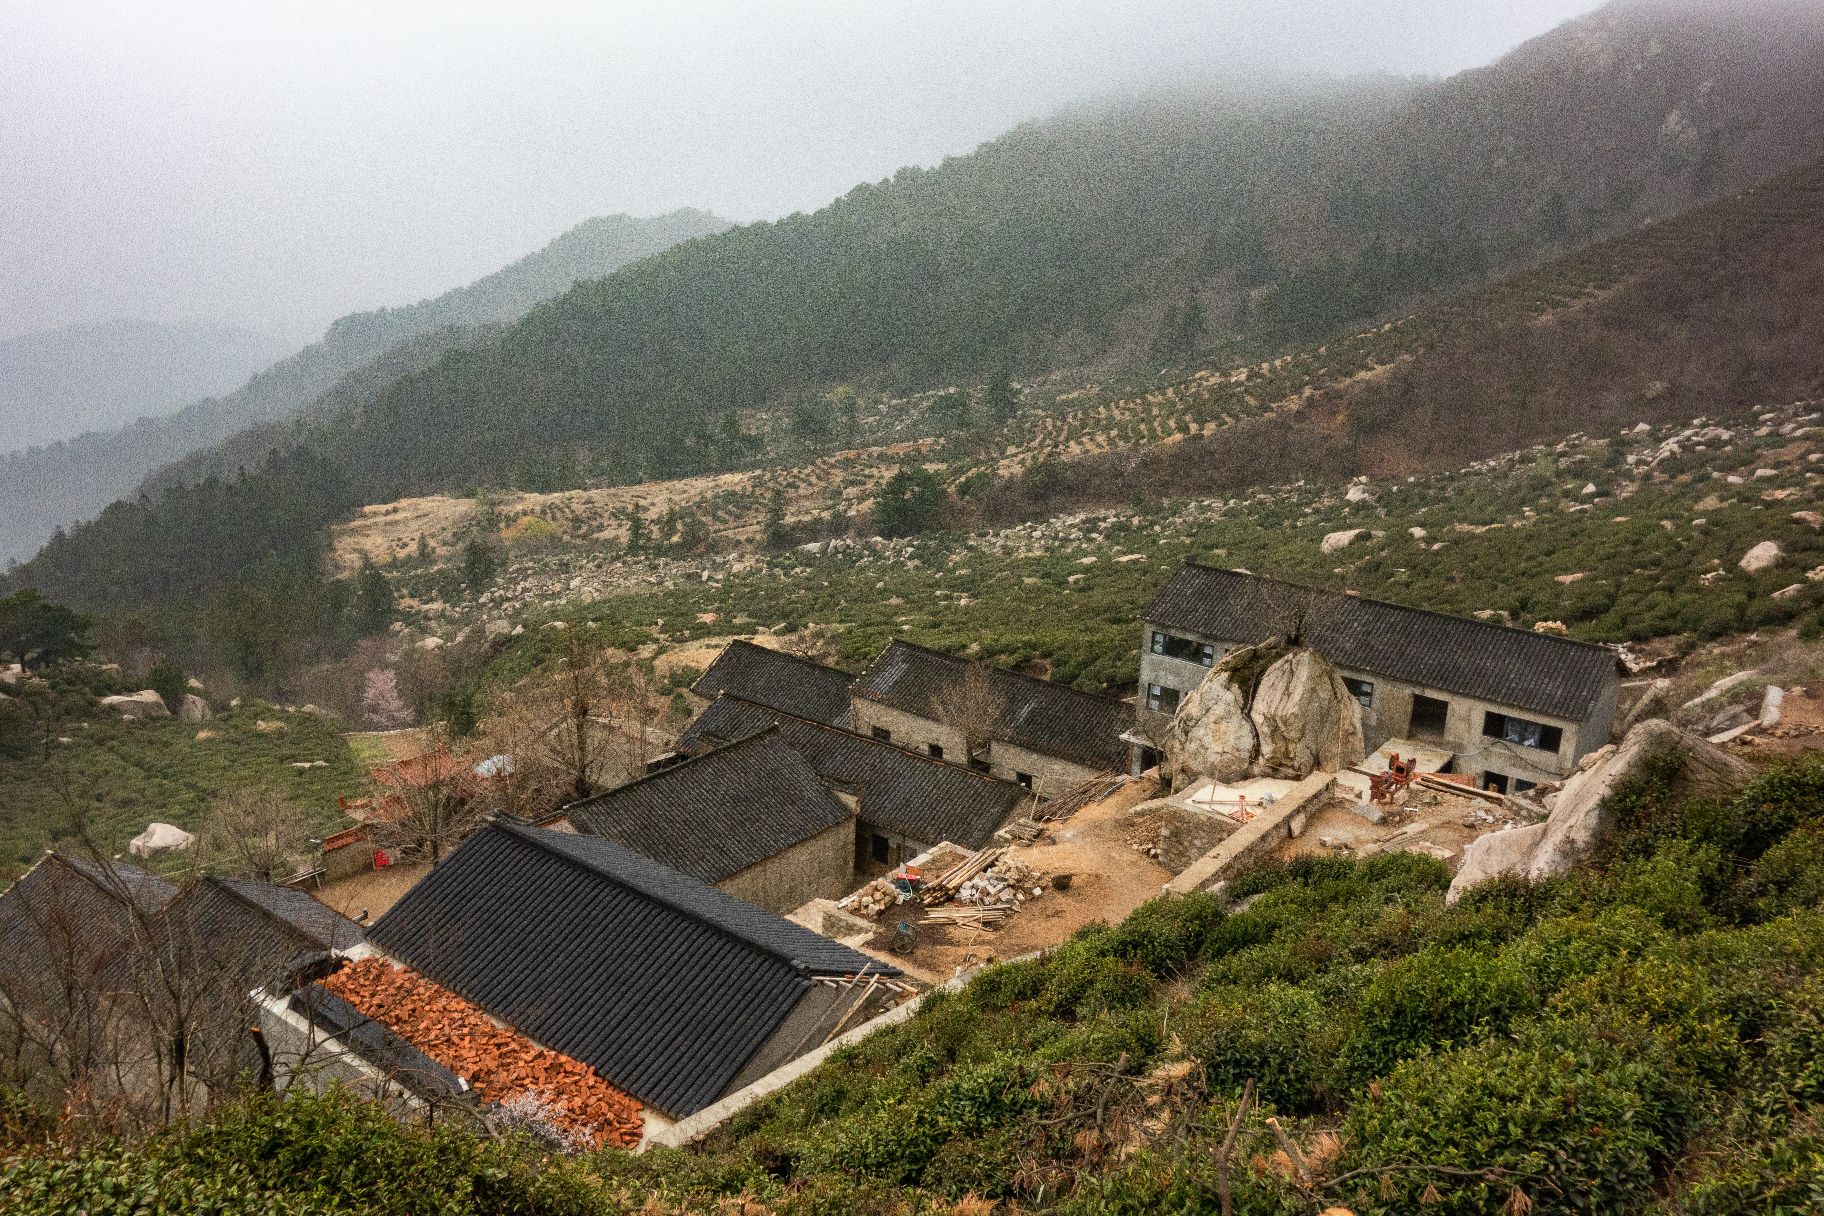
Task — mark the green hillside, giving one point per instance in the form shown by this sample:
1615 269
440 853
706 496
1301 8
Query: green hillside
1639 1037
1283 213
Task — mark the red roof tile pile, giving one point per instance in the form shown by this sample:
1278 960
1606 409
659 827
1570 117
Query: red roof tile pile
500 1063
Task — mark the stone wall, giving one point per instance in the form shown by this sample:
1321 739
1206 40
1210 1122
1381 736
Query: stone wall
1049 775
1254 841
822 867
907 730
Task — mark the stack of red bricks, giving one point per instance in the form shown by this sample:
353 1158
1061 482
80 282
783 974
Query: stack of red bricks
499 1063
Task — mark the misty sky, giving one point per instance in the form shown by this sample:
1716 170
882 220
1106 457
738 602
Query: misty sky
275 165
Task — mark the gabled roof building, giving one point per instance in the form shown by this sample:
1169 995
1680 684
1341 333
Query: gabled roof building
1046 737
750 817
1516 707
904 801
670 990
71 925
780 681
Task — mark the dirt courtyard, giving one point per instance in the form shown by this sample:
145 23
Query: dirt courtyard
1109 879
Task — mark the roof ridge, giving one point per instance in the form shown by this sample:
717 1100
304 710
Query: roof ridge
664 772
945 765
994 669
784 654
229 885
534 837
121 889
1553 638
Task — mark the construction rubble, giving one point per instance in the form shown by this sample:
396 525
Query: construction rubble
980 891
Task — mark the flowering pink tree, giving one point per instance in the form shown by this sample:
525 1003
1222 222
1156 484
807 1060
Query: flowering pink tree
381 703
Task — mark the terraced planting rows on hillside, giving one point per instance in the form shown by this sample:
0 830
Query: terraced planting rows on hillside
1629 537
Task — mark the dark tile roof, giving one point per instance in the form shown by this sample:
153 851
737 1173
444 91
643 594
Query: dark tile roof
901 791
1549 675
281 921
663 984
769 677
123 880
714 816
71 921
1038 715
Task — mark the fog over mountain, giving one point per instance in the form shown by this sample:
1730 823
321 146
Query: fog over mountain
274 168
61 382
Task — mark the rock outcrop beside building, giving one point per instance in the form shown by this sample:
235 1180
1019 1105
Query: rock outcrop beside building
1581 818
1270 710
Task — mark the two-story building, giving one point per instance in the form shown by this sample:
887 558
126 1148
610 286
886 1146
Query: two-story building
1516 708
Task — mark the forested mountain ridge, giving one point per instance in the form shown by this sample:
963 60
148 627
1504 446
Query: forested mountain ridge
55 486
642 373
61 382
1153 229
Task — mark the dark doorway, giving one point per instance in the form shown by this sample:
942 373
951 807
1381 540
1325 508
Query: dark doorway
1428 717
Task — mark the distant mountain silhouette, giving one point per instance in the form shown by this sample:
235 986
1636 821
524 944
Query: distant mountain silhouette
71 480
61 382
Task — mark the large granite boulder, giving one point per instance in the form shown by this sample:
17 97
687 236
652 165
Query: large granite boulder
194 708
145 703
1580 819
1270 710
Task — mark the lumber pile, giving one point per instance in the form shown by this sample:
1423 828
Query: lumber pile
500 1064
1022 831
985 916
940 889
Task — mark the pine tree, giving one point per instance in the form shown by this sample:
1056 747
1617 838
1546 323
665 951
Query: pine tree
637 539
1000 399
775 535
480 565
373 598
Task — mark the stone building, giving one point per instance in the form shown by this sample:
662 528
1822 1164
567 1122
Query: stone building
1516 708
903 801
778 680
750 818
528 954
1044 737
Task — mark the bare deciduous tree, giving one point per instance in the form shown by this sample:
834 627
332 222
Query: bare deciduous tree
433 802
587 723
254 831
971 706
1291 611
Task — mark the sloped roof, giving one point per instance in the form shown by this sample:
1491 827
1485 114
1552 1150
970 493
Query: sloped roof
1549 675
121 879
1052 719
661 983
238 910
782 681
462 1040
902 791
69 920
714 816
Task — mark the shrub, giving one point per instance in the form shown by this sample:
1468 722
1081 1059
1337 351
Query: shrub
1274 1036
1435 999
1165 935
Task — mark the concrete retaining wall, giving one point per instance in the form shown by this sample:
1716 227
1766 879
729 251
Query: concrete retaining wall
1254 840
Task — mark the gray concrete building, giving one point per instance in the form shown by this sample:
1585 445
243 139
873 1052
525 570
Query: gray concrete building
1516 708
